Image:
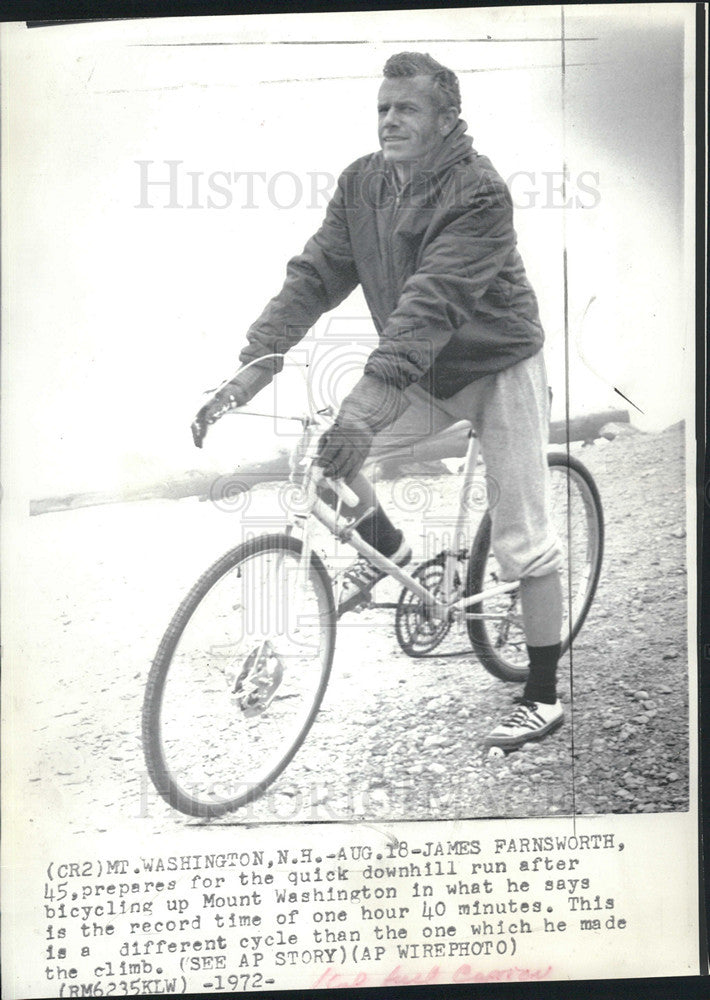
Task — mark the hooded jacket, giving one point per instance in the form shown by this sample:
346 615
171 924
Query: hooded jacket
438 265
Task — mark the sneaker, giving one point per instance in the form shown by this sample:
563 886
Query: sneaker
528 721
353 585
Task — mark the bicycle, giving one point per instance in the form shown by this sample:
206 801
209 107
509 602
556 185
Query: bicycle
242 668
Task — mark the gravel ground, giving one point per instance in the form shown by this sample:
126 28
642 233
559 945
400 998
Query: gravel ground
395 738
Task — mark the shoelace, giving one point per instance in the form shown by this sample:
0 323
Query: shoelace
521 714
362 572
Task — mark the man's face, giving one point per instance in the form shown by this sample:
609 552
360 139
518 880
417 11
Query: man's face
410 122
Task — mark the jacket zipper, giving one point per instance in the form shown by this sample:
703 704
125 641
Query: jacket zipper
389 244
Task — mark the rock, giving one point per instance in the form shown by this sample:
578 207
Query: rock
671 654
678 533
673 776
611 723
522 766
436 741
613 430
641 695
437 768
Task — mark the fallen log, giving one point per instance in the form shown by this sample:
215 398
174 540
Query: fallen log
586 427
451 444
192 484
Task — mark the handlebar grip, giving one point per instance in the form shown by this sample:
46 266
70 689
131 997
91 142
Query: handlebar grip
342 490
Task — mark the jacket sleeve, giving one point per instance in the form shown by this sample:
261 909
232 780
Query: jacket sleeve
317 280
458 265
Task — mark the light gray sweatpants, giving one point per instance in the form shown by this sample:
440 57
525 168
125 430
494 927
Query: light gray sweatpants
509 411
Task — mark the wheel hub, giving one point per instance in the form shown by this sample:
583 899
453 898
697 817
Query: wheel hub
259 679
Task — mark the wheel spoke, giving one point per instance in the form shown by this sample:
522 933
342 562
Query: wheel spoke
238 677
577 517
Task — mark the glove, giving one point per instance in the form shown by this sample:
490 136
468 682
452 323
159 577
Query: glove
372 402
369 408
245 384
343 448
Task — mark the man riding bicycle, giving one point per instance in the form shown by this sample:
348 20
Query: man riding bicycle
425 226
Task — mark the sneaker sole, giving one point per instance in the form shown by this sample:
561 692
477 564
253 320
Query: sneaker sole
510 742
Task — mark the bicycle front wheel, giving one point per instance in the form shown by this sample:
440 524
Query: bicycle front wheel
499 641
239 676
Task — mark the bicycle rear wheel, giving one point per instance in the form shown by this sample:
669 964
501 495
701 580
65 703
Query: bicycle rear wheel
578 518
239 676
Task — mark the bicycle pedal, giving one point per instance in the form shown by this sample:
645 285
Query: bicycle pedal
356 609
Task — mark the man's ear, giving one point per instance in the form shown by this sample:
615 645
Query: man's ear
447 120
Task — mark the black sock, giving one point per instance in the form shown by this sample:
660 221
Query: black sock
541 684
379 532
377 529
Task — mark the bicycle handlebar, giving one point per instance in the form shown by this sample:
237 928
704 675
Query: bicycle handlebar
199 430
338 486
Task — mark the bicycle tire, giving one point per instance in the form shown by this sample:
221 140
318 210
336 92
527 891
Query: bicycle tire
230 676
502 656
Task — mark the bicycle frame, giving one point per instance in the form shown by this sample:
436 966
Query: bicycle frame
221 659
344 529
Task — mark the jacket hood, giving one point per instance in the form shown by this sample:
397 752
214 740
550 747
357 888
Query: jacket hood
456 146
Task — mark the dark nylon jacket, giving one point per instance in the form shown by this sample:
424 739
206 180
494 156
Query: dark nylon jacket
438 265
